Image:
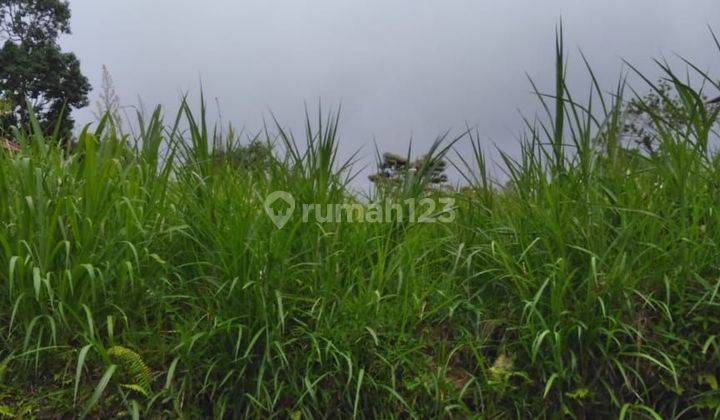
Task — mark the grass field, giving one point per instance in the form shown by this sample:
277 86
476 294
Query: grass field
140 276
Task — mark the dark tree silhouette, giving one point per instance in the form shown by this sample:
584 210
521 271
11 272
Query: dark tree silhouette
393 170
34 69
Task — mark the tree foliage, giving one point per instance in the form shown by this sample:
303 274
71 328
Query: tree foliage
33 68
33 21
664 105
394 169
256 156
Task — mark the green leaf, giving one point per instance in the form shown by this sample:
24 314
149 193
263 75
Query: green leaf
78 370
708 379
99 389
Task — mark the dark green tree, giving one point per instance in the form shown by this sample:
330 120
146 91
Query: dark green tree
34 69
394 170
254 157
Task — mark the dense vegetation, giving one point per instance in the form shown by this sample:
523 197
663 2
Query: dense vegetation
34 70
139 276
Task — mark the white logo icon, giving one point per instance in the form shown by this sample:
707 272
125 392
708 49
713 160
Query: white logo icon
279 218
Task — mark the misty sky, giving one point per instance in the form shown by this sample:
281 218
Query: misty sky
400 68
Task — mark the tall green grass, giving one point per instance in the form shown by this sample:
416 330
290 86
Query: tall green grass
139 276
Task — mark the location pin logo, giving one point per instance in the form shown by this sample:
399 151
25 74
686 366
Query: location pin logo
279 218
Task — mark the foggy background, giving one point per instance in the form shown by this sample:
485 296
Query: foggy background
401 69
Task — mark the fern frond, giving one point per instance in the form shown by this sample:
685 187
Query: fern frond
133 366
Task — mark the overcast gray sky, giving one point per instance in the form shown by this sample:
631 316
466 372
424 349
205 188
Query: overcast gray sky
401 68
